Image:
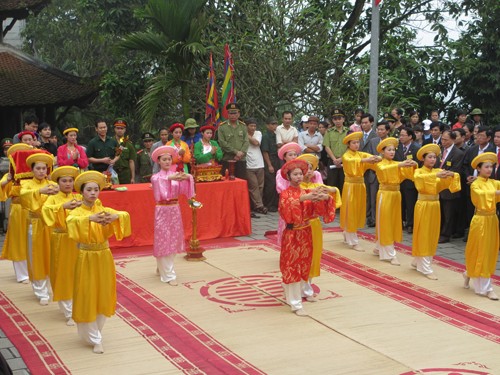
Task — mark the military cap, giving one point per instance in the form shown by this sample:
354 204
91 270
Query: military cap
120 123
338 112
232 107
148 136
389 118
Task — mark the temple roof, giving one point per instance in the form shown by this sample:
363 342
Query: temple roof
20 8
26 81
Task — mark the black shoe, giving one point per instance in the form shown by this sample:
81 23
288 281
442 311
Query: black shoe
465 238
409 229
371 225
253 216
443 240
272 209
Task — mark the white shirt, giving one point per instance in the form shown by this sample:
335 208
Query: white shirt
254 155
285 136
305 138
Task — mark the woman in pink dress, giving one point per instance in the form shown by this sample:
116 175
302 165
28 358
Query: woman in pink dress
168 184
70 153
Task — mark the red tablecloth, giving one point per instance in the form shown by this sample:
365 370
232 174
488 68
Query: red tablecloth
225 211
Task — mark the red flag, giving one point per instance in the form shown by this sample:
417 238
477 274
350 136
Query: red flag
228 90
212 103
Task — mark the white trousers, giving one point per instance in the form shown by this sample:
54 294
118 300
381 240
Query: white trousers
424 264
351 238
21 270
306 288
41 288
91 332
385 252
482 285
66 307
293 295
166 267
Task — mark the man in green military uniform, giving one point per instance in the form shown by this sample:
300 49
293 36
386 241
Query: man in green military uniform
125 165
144 169
233 140
391 120
335 148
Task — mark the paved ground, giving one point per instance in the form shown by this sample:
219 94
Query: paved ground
453 250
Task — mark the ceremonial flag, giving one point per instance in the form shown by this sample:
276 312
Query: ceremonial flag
228 90
212 103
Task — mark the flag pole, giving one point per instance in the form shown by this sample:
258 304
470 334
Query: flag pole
374 54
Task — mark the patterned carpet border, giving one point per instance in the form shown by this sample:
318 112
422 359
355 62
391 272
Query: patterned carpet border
35 350
182 342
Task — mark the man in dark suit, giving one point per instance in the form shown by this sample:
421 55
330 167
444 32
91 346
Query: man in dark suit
436 130
407 149
496 143
370 176
451 160
483 138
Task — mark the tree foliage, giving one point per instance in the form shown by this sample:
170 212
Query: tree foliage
305 55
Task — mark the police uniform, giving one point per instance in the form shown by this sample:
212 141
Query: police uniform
127 153
144 169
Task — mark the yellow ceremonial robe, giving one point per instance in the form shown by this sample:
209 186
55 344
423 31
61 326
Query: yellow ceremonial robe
388 217
317 232
353 210
481 251
15 245
94 290
32 200
63 250
427 219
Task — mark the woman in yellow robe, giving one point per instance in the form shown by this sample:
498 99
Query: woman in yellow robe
90 225
33 195
353 210
15 245
317 233
63 250
388 220
429 182
481 251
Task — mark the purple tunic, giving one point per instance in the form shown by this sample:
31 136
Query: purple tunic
169 231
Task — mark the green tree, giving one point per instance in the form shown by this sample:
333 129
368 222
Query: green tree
173 39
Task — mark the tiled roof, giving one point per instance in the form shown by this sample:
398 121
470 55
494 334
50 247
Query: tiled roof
25 81
20 8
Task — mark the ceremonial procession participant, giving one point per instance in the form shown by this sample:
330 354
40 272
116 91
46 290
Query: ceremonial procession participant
206 149
481 251
168 184
353 210
483 138
310 140
33 195
28 138
316 229
429 182
90 225
30 125
286 133
4 160
191 136
15 245
390 174
407 149
101 150
233 141
144 169
255 167
451 160
269 150
181 147
125 165
296 208
164 136
63 250
371 183
45 131
70 153
335 148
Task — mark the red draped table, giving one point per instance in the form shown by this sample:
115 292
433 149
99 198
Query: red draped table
225 211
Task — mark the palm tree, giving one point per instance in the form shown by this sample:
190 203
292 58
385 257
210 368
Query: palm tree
174 40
